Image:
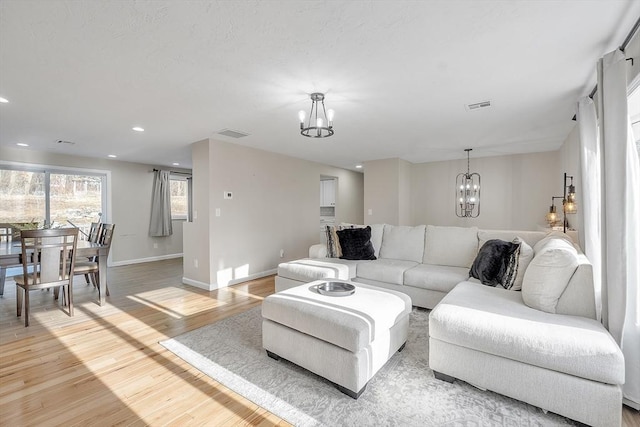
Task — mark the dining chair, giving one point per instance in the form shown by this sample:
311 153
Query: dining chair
7 232
48 261
7 235
93 236
91 268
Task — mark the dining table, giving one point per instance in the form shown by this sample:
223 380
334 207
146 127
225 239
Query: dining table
11 256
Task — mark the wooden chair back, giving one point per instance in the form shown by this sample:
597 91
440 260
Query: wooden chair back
50 255
94 232
106 234
7 232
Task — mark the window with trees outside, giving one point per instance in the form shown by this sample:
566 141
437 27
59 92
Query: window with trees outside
51 198
179 198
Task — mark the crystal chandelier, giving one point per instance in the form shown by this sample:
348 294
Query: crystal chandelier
468 193
318 129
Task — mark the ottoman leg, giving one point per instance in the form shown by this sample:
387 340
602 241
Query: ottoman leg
351 394
273 355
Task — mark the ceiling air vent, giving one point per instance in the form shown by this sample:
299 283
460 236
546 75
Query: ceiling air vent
233 133
63 142
478 105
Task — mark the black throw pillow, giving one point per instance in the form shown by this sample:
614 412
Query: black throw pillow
356 243
495 262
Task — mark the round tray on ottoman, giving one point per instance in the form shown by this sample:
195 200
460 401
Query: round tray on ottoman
336 289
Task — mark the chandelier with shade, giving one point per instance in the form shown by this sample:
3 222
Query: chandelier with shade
468 193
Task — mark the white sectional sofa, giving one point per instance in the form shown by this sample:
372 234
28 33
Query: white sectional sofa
549 351
424 262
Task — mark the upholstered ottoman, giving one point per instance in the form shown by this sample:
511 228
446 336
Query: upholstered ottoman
296 273
344 339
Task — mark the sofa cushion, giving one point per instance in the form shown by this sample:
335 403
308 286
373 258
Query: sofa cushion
435 277
377 230
403 242
356 243
496 263
531 237
385 270
308 270
548 274
554 235
524 259
495 321
454 246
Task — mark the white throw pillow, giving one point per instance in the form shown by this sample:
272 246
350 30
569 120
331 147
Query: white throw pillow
453 246
377 231
524 259
552 236
548 275
403 242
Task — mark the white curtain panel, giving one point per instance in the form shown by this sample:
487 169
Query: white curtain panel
160 224
621 214
590 189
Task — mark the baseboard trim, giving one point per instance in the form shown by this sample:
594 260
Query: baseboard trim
631 403
198 284
214 286
143 260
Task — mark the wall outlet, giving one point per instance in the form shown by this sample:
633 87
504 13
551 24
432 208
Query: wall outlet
281 253
155 246
370 212
195 263
228 195
217 211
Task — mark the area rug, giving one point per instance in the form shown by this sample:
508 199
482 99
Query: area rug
403 393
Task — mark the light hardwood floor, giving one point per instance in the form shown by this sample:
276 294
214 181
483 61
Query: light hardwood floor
104 366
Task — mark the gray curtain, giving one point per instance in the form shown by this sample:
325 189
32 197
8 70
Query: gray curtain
160 224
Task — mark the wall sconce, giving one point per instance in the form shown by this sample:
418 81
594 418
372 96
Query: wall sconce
569 205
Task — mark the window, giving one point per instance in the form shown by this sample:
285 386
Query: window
54 198
179 198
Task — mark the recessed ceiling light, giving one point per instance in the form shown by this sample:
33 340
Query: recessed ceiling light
113 156
22 144
358 166
3 100
138 129
175 164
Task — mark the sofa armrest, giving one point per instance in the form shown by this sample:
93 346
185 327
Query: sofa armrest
318 251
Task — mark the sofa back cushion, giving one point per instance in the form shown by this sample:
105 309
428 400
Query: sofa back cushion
530 237
376 237
548 274
403 242
454 246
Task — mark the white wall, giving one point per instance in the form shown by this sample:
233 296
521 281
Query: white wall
275 206
516 191
387 193
130 203
570 164
196 241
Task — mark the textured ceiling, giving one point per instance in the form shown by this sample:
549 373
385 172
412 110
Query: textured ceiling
398 74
